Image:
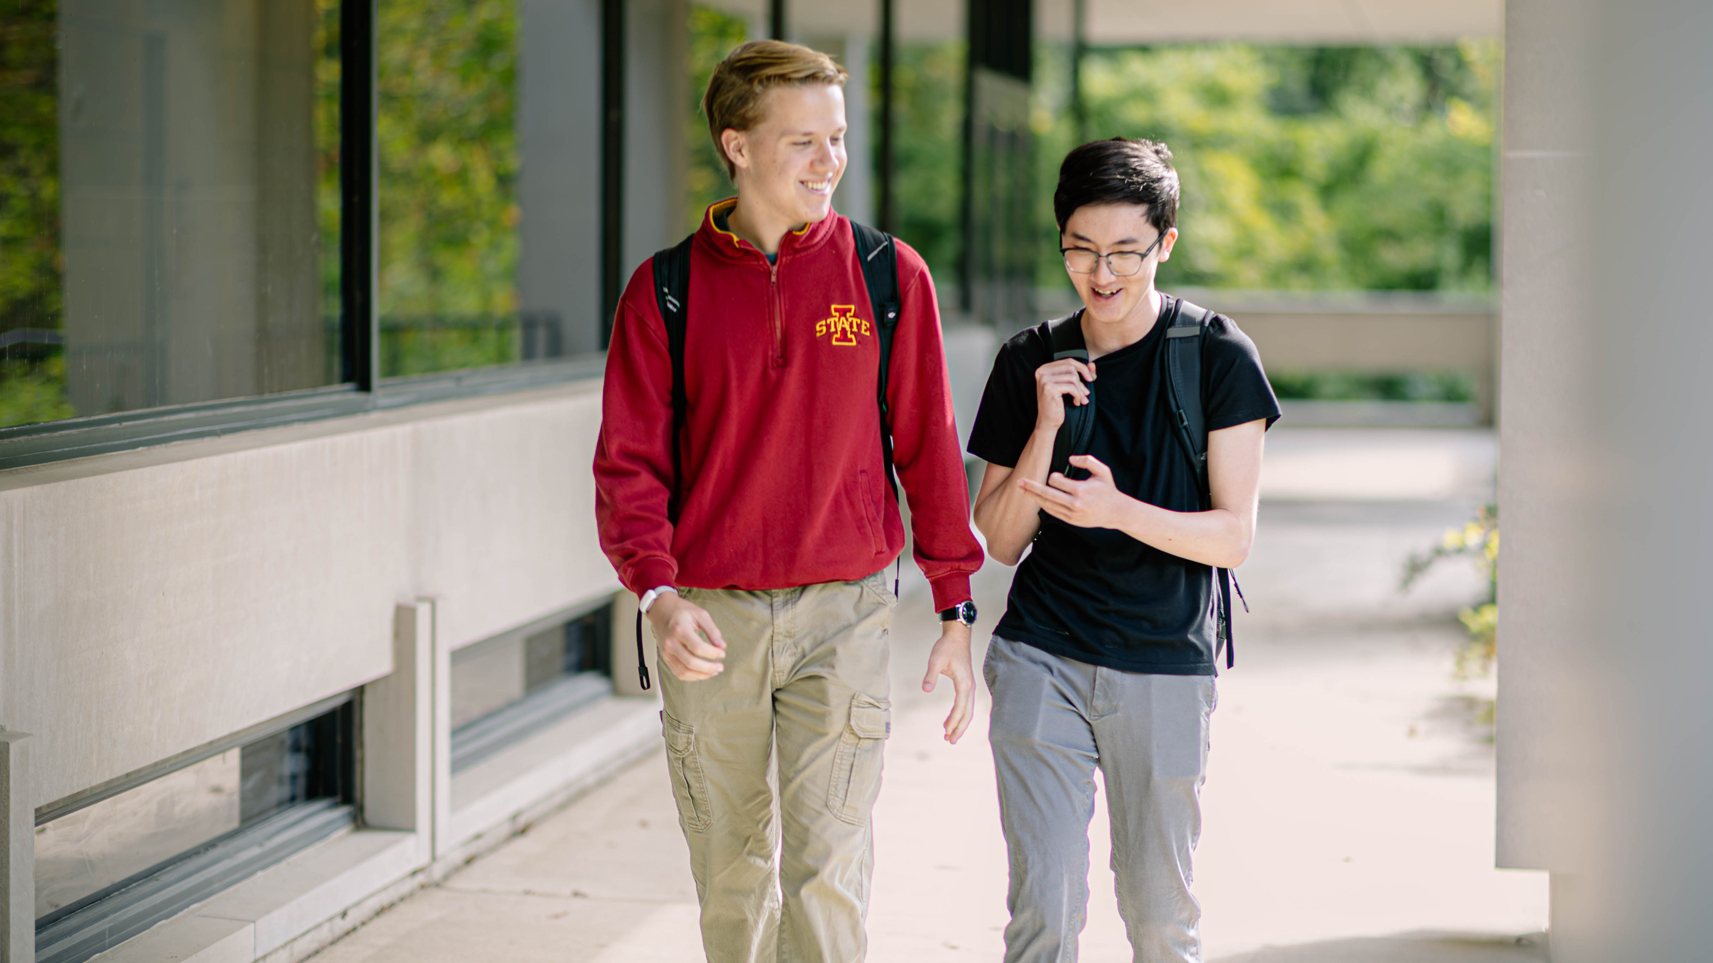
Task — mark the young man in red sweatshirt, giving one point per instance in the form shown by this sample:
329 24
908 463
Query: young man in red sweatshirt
766 589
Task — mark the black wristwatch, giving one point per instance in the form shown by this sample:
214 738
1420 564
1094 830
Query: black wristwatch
962 612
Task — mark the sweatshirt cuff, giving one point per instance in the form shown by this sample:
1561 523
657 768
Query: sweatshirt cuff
950 589
652 573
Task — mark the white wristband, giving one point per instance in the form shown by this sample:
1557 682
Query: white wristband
653 595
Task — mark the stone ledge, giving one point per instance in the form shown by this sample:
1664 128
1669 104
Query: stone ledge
273 907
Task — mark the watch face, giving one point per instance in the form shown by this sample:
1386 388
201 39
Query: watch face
962 612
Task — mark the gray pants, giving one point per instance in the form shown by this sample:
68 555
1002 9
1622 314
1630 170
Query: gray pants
1055 720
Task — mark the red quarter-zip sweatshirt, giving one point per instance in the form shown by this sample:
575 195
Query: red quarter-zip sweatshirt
783 476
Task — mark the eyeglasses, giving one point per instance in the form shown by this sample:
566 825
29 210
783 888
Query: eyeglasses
1081 260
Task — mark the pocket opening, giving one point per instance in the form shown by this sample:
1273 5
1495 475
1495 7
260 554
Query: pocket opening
871 514
689 784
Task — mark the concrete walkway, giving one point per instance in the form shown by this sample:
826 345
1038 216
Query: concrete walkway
1349 805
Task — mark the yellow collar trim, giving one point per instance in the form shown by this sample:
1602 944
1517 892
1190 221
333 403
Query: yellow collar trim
721 207
725 206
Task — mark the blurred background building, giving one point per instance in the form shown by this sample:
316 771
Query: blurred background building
302 311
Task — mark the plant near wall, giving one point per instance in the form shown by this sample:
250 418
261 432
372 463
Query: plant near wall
1478 541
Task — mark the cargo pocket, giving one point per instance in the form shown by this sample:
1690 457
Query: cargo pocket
688 784
856 765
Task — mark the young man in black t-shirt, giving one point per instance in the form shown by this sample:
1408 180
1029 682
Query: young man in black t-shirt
1105 655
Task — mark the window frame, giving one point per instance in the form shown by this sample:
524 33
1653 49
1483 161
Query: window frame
362 389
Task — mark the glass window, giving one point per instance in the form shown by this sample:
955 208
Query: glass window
169 203
513 685
489 144
111 869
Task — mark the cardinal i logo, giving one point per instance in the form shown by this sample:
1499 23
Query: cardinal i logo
844 326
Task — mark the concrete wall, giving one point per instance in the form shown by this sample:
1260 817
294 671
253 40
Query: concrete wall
155 601
1378 337
1605 727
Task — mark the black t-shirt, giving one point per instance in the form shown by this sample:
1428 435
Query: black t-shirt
1097 595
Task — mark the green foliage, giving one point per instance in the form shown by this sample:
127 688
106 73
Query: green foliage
1357 386
448 156
30 260
31 393
713 35
1302 168
328 207
414 345
928 81
1478 541
31 265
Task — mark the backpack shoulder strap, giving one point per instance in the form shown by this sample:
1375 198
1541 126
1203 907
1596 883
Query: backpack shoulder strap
1065 336
878 256
1184 333
672 293
1184 338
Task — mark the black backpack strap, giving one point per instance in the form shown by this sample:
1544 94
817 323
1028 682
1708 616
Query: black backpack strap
1184 334
1064 337
879 258
878 255
672 294
1183 380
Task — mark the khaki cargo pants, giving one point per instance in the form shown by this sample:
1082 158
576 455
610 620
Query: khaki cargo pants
776 764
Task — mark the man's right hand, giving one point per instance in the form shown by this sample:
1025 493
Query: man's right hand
1056 381
690 642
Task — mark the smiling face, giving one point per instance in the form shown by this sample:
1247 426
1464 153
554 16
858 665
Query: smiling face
1110 229
788 165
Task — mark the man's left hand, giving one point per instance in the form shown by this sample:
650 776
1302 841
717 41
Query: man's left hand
1094 502
951 658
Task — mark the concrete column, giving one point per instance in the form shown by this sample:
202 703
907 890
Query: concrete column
1652 644
440 729
559 186
398 732
17 851
1547 363
657 115
1605 733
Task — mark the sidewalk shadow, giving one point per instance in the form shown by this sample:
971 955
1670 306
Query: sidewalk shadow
1420 947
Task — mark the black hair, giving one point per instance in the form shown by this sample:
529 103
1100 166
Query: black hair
1119 171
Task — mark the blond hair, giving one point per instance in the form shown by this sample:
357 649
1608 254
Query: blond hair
733 98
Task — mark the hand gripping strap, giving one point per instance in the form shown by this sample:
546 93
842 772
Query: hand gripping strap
1064 336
